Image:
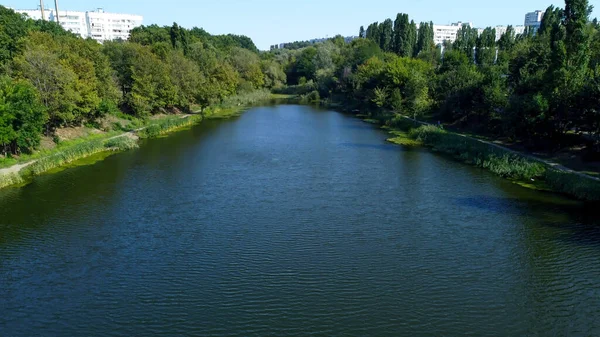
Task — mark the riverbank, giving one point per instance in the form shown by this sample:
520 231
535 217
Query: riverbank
121 139
521 168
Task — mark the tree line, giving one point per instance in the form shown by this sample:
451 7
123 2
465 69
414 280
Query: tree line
538 87
51 78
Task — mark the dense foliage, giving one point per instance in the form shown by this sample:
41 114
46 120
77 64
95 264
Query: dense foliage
537 87
50 78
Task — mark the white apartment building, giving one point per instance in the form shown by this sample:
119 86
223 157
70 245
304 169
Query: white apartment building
72 21
98 24
500 30
534 20
448 33
104 26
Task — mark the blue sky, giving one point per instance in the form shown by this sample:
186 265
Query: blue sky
270 22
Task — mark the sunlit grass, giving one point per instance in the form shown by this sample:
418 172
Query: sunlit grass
10 179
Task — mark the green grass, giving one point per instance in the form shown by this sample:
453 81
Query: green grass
223 113
10 179
64 157
60 147
121 143
77 151
573 184
70 151
402 138
167 125
500 161
508 164
245 99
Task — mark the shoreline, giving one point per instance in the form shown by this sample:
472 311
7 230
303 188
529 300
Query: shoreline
20 174
520 168
548 177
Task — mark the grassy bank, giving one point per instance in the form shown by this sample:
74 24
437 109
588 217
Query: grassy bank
10 179
498 160
124 137
525 170
167 125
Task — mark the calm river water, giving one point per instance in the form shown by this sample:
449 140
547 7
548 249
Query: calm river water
292 221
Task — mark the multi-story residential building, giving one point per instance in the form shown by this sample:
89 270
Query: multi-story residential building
500 30
72 21
98 24
104 26
534 20
447 33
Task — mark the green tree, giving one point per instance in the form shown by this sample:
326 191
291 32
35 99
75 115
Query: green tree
412 39
247 64
22 117
13 27
380 96
485 52
400 33
373 33
425 37
466 40
386 30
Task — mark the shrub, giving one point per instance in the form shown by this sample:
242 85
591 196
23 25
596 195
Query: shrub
313 96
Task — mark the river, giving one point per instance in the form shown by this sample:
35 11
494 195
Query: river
292 221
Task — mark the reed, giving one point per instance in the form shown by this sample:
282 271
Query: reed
65 156
10 179
244 99
573 184
168 125
500 161
122 143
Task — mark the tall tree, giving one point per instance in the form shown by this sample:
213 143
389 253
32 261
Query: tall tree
373 33
361 32
386 29
22 117
412 39
401 33
466 40
485 52
507 40
552 16
424 39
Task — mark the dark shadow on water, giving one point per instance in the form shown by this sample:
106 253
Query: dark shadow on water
497 205
362 126
578 222
384 147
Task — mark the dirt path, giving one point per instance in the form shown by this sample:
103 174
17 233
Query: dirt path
15 168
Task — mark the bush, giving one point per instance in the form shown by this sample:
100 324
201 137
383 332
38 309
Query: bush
313 96
300 89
